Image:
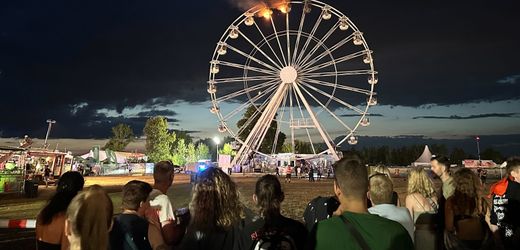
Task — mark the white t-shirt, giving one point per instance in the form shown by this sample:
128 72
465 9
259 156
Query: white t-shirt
395 213
162 203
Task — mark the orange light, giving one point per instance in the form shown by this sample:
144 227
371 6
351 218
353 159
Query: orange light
283 7
266 13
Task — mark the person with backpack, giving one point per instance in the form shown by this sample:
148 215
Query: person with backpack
270 229
353 227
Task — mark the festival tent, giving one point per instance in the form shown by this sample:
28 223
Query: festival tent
112 156
424 159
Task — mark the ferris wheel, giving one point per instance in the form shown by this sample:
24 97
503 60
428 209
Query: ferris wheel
295 71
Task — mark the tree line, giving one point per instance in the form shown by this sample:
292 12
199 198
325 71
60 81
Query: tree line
405 155
163 143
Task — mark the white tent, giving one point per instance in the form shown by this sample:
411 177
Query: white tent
424 159
121 157
90 154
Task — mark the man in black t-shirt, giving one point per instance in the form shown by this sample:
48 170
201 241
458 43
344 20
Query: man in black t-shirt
131 230
505 212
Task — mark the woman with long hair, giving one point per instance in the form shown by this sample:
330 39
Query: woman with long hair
89 220
268 197
216 213
50 222
421 202
465 213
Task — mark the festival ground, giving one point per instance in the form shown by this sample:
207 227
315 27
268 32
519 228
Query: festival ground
297 194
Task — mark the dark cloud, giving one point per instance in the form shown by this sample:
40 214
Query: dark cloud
509 80
355 115
57 54
163 112
457 117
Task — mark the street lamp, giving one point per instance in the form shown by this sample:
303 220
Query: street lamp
478 150
50 122
216 140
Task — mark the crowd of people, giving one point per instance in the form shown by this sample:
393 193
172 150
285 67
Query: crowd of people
364 213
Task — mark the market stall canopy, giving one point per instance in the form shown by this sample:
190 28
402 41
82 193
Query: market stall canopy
424 159
113 156
6 152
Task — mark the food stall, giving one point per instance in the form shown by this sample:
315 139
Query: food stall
57 161
12 162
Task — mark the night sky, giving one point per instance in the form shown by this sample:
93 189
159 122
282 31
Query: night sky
447 69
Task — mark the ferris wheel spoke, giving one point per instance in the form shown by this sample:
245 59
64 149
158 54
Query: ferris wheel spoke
291 114
252 58
303 117
318 44
346 104
244 91
325 108
316 122
269 44
308 40
341 73
259 49
246 67
339 86
278 123
287 29
278 41
330 63
253 116
242 79
252 100
298 35
330 50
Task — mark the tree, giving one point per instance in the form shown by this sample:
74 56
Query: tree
191 153
179 154
183 134
439 149
287 148
227 149
202 151
458 155
159 141
122 136
492 154
267 144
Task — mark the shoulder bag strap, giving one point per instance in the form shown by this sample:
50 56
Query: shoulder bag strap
355 233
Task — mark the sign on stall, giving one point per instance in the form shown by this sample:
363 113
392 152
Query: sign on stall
479 164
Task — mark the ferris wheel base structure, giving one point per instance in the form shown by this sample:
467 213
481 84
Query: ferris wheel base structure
313 80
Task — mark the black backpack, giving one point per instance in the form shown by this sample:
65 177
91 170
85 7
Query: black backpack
318 209
273 239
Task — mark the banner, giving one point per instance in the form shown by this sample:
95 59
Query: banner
224 161
479 164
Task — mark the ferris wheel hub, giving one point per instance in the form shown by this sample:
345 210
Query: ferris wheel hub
288 74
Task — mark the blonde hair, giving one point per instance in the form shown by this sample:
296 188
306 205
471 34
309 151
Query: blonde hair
381 189
380 169
419 182
89 216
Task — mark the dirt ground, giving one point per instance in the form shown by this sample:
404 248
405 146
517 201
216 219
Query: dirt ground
297 194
